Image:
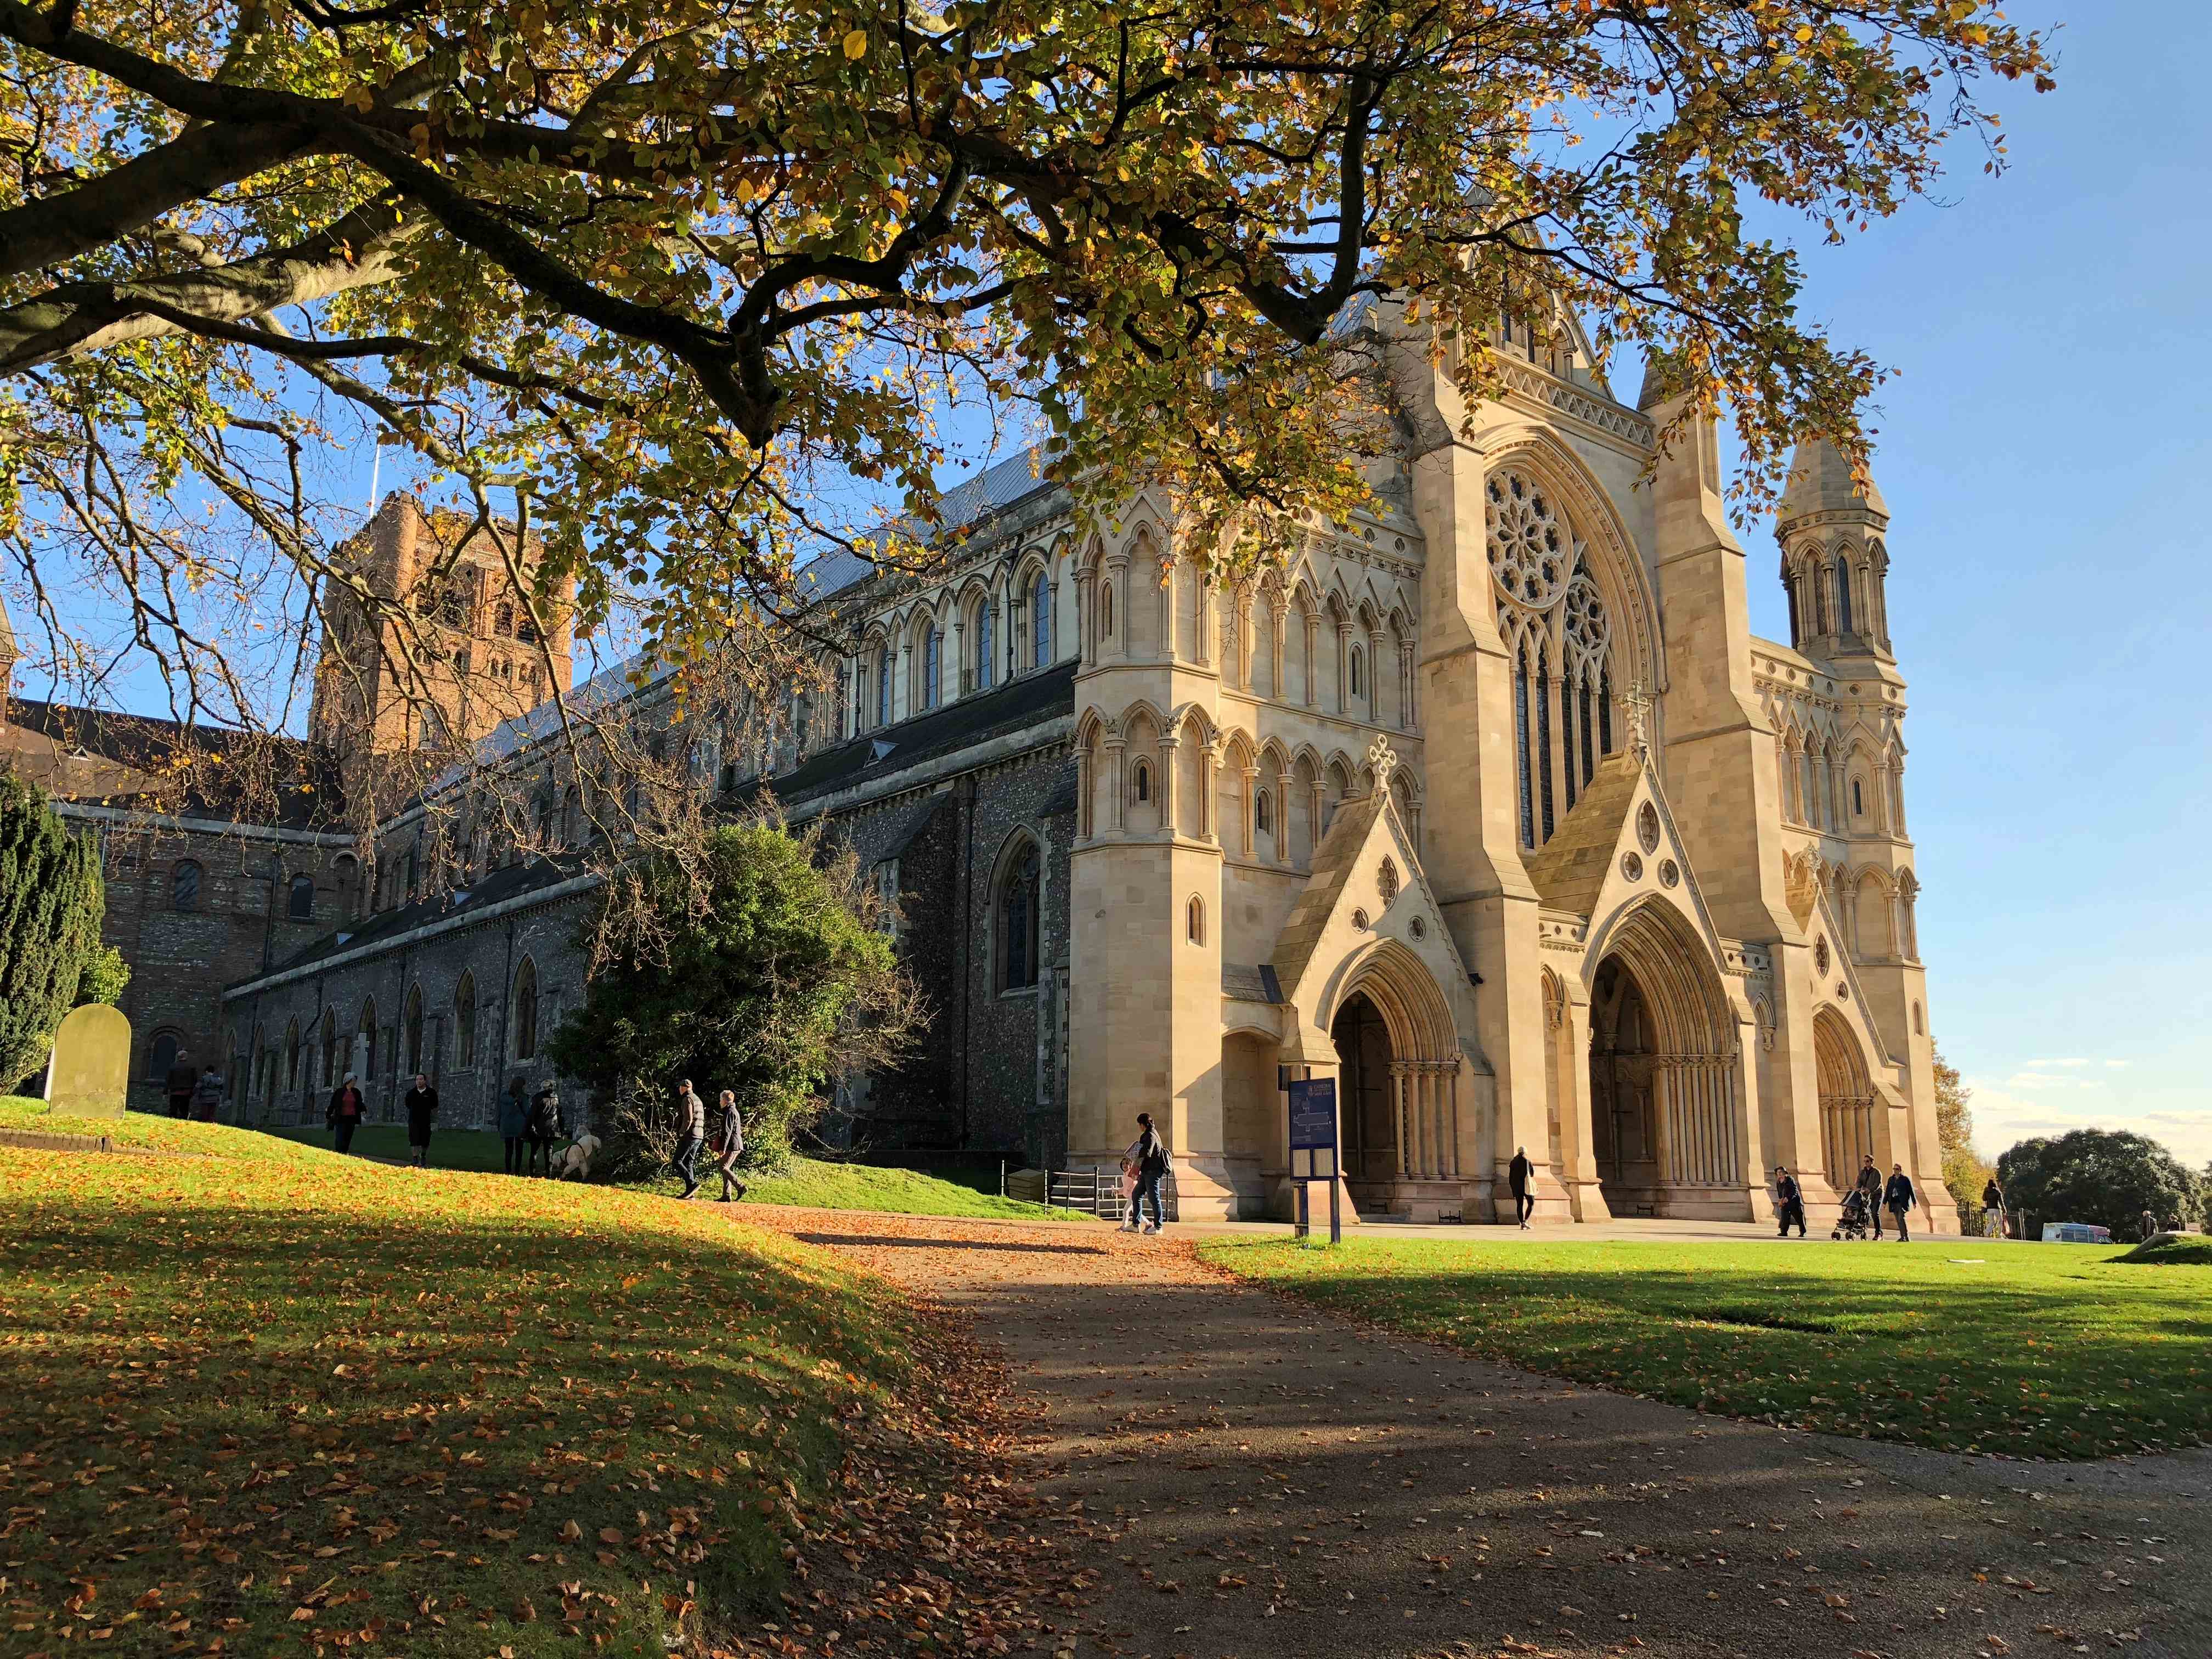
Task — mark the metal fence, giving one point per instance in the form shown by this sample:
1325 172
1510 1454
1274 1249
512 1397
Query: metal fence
1094 1191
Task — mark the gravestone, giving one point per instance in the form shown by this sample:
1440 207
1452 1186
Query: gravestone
90 1073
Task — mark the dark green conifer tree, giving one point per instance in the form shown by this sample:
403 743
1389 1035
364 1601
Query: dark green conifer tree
50 906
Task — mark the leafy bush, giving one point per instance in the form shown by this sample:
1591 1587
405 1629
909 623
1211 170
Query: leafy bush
750 960
2106 1178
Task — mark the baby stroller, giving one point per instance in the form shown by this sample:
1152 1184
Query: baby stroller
1857 1219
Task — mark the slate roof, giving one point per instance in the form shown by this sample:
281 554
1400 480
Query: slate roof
156 764
514 881
1026 700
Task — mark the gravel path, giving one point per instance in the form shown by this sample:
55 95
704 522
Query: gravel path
1252 1479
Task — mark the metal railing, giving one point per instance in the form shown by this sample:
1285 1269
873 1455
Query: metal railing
1093 1191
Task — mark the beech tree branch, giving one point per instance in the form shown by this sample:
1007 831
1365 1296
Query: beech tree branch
74 318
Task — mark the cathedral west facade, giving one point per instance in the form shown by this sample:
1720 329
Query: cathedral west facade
1488 804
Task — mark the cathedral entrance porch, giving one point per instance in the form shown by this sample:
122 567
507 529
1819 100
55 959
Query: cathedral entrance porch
1400 1114
1666 1087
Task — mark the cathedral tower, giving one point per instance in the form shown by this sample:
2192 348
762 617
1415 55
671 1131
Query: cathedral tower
1845 780
475 660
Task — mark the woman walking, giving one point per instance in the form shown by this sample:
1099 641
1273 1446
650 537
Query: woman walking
344 1114
514 1124
421 1103
728 1142
1147 1158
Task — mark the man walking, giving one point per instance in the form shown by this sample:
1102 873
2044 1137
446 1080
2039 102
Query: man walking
1148 1156
1791 1200
544 1127
421 1103
207 1096
691 1135
179 1084
1517 1177
1898 1197
1993 1215
1869 1182
514 1124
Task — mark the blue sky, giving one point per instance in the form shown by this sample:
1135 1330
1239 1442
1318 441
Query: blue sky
2045 455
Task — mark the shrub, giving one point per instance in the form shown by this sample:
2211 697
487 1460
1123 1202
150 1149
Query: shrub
50 906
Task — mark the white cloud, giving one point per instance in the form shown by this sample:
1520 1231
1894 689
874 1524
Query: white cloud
2117 1065
2075 1060
2011 1111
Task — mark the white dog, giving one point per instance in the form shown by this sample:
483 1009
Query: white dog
577 1160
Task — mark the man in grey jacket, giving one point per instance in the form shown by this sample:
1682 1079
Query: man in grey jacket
691 1130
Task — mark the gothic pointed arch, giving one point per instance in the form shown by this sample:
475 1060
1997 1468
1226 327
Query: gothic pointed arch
1017 908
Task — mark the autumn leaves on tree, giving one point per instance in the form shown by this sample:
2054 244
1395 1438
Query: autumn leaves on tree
693 285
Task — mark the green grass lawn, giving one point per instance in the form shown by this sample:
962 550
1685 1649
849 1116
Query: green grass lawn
301 1404
2054 1350
818 1185
150 1129
450 1149
807 1181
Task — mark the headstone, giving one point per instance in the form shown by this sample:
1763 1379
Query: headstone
90 1074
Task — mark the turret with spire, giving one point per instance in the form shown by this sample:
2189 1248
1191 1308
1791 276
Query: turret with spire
1835 565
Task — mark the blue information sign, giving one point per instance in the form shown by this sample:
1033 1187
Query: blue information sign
1313 1115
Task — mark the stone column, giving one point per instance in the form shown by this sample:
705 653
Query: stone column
1251 798
1313 667
1282 853
1169 742
1245 641
1344 667
1374 677
1209 760
1400 1117
1118 782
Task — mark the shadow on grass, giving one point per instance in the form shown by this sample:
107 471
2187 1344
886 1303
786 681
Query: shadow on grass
442 1411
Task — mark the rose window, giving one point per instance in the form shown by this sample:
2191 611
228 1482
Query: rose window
1529 553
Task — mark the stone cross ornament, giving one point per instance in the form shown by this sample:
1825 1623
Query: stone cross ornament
1383 759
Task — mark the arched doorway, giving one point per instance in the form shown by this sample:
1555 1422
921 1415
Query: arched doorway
1369 1124
1666 1102
1848 1120
1622 1054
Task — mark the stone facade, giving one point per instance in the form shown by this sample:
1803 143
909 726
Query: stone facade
1487 804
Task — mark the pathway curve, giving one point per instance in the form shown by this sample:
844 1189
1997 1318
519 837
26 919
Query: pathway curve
1253 1479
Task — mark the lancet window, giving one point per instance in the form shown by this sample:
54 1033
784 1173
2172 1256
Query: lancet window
1556 623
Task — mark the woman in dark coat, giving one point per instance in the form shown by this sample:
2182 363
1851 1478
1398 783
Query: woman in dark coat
344 1116
514 1124
421 1103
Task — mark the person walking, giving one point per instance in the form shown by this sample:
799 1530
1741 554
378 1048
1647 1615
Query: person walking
1517 1177
1869 1182
691 1135
1148 1155
1898 1195
1993 1215
344 1114
421 1103
544 1127
179 1084
1791 1200
513 1125
729 1141
207 1096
